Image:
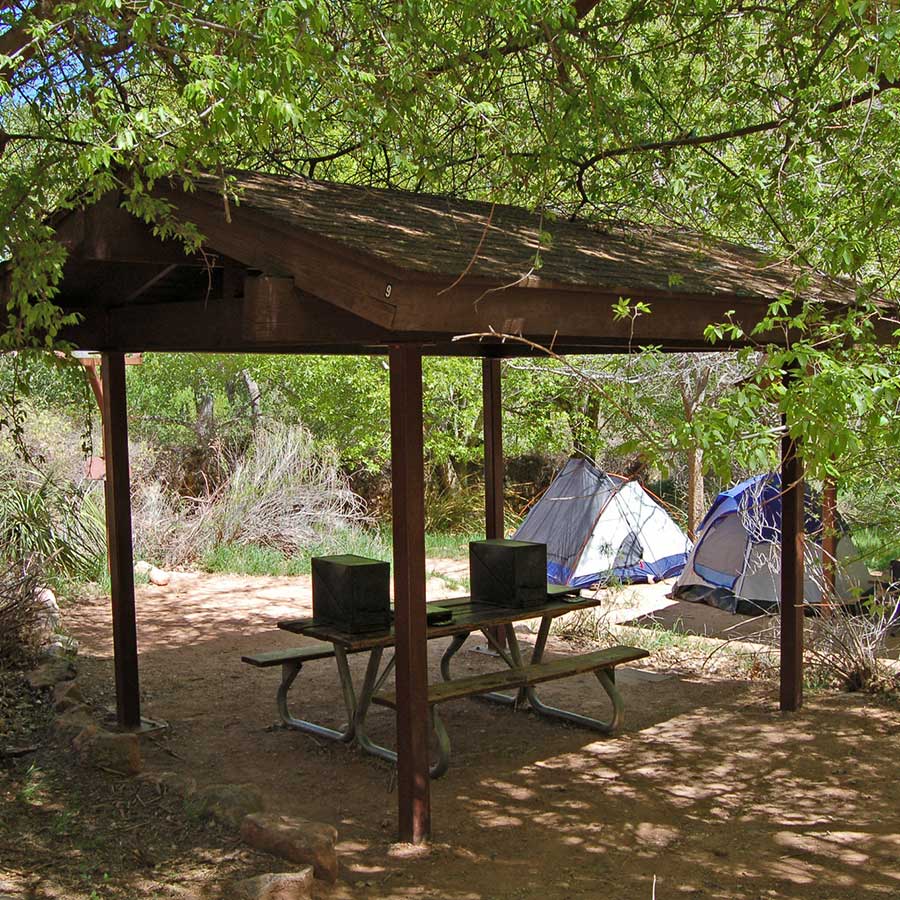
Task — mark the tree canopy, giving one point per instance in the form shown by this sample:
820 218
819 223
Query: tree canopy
770 123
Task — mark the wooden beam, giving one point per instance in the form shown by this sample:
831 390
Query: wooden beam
564 312
107 232
118 538
408 486
268 319
322 268
792 526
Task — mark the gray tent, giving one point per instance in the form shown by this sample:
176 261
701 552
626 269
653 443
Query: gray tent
599 526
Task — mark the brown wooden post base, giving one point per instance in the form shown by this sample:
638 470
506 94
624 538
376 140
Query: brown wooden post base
118 539
411 653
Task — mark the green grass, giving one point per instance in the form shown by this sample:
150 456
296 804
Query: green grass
252 559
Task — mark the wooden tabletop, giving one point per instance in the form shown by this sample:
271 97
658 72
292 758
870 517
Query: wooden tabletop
468 616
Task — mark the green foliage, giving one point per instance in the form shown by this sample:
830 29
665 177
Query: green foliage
57 525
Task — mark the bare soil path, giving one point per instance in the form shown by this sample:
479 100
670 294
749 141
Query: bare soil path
709 790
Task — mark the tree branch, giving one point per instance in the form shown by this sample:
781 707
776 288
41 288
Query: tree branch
697 140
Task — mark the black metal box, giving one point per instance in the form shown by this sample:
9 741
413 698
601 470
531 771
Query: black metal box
508 573
352 592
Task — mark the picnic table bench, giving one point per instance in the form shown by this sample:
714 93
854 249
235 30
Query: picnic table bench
467 617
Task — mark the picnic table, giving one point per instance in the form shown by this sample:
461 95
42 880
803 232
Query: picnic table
461 617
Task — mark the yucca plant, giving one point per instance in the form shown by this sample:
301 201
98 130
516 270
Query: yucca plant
20 612
62 527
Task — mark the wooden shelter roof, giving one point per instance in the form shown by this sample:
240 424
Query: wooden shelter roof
309 266
438 235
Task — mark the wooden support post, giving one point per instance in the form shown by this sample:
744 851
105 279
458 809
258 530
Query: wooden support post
118 539
493 461
829 539
792 526
493 449
411 651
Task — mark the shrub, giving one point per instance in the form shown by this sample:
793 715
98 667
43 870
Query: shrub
20 614
59 525
282 494
845 648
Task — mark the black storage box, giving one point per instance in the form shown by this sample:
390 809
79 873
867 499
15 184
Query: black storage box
508 573
352 592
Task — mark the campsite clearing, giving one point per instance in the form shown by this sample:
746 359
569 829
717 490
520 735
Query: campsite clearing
708 787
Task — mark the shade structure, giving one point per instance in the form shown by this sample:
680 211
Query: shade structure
305 266
600 527
736 561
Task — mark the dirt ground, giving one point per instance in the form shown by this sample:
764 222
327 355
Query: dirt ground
708 791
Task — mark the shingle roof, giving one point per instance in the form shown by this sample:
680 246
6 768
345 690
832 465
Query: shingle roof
438 235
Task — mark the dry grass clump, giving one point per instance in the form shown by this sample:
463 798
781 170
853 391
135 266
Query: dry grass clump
282 493
20 614
847 649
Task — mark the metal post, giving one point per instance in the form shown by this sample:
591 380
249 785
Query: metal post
493 449
118 539
791 572
411 652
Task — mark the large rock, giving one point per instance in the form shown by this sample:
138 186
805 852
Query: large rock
72 722
297 840
276 886
159 577
48 613
118 751
171 783
228 803
51 672
67 695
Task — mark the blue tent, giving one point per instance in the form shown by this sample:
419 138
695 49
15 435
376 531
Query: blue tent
736 560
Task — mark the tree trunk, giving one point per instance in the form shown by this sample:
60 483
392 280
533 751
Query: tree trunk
696 498
255 396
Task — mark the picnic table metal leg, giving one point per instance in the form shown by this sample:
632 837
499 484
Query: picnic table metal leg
371 683
289 672
450 652
607 682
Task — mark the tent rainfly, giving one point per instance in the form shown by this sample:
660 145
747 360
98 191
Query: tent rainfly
598 527
736 562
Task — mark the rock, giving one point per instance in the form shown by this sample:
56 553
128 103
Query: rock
276 886
228 803
48 615
297 840
171 783
50 672
159 577
72 722
142 567
66 696
109 750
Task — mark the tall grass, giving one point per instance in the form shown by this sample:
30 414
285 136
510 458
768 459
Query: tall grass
253 559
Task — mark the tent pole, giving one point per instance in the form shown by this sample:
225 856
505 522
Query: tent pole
118 538
408 500
792 525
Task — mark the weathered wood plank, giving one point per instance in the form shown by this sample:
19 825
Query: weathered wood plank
467 617
536 673
267 658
